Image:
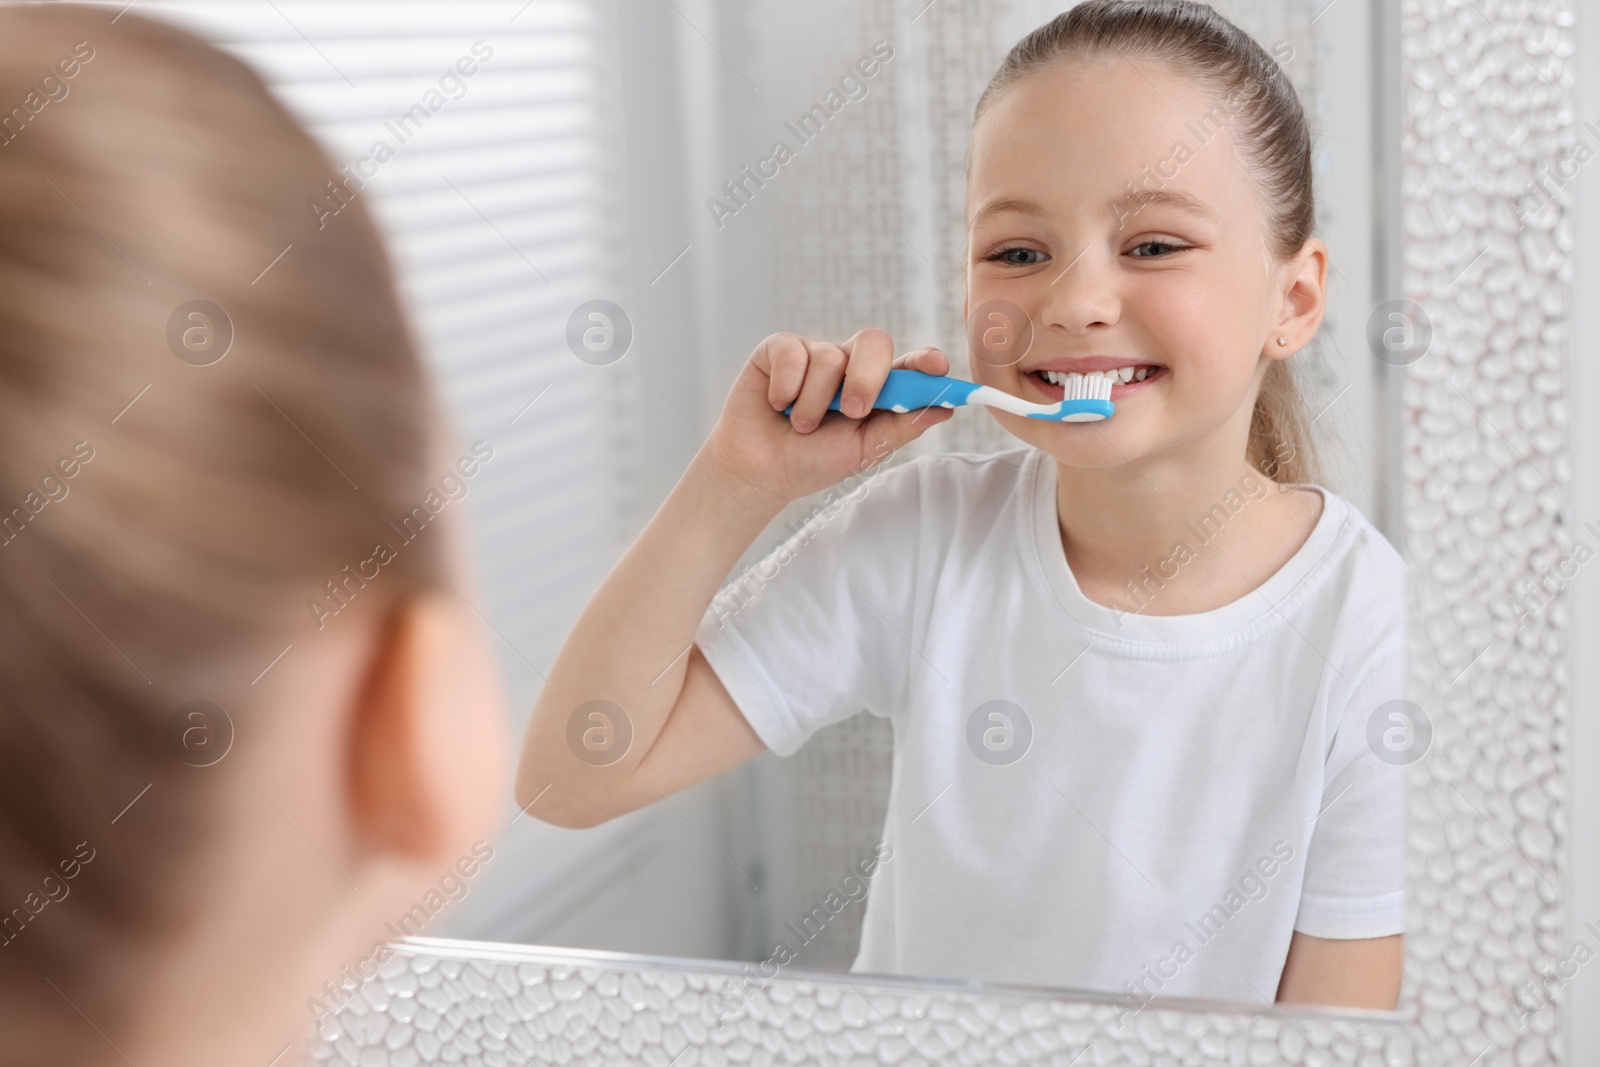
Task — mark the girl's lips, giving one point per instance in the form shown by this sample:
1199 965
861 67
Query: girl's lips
1118 391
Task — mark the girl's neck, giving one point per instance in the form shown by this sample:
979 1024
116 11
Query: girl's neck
1235 526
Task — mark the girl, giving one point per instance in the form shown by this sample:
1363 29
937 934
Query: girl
1130 665
211 801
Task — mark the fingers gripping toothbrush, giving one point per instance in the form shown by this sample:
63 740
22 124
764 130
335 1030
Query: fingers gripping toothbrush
1088 399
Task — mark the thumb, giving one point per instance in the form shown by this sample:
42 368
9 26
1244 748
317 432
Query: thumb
888 430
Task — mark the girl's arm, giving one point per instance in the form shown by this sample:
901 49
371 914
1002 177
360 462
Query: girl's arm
633 644
1355 973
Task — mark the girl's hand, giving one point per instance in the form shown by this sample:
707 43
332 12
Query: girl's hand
759 450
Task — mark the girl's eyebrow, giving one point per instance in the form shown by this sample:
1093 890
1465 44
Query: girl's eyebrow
1137 199
1021 205
1125 205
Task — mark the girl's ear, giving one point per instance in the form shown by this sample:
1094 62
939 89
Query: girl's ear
390 809
426 757
1305 299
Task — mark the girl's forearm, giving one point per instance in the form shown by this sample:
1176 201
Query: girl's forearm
629 646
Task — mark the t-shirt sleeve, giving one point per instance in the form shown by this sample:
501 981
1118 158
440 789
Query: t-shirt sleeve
1355 863
818 629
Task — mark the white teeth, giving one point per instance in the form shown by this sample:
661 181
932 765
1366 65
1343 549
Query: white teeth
1121 374
1093 386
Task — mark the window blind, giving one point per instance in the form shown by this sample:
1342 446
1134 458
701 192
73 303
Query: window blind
494 204
497 206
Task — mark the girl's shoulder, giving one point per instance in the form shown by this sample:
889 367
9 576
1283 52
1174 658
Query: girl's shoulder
893 499
963 482
1358 535
1360 585
1004 467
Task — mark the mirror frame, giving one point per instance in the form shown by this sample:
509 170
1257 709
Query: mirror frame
1487 838
519 1004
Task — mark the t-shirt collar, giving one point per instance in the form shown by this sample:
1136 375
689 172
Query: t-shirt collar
1161 636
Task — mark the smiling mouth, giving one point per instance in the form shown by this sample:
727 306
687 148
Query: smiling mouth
1125 380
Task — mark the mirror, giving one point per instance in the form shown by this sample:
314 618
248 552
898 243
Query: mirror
652 111
1063 785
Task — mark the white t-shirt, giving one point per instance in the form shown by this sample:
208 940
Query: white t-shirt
1195 787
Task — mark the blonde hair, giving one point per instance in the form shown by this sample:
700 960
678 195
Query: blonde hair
1270 127
142 169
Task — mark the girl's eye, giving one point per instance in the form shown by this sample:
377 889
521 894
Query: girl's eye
1161 248
1016 256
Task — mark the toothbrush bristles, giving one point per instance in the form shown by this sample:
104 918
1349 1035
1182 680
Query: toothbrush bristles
1096 387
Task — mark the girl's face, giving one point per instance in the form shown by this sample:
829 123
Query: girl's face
1108 211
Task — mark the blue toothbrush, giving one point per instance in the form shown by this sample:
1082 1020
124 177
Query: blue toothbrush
1088 398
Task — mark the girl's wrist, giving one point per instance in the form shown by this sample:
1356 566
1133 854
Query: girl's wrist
718 485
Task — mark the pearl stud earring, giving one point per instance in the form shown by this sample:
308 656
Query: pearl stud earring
1282 342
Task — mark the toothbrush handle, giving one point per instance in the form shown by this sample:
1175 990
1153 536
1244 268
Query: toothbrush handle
907 390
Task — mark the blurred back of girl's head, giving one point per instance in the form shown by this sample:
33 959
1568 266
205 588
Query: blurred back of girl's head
165 515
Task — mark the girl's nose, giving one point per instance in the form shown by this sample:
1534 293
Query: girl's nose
1082 294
